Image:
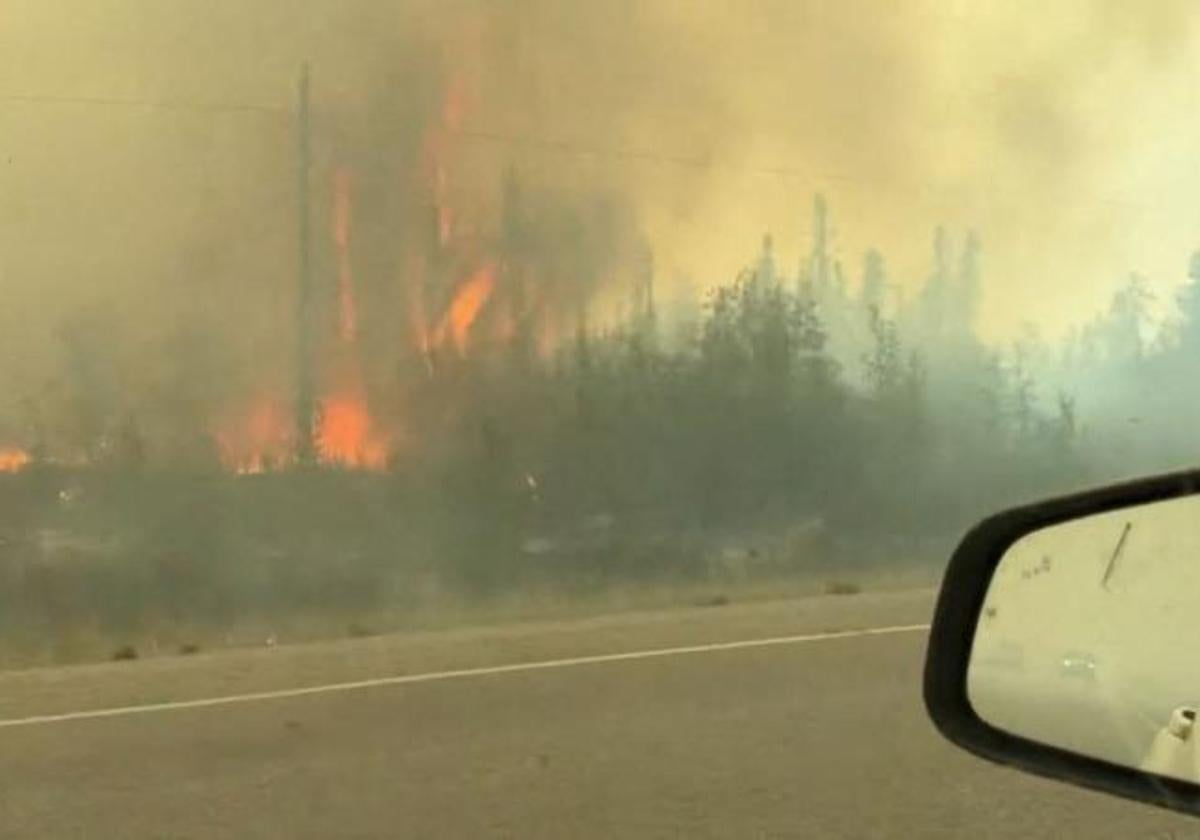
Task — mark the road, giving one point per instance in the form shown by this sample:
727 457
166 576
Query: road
811 738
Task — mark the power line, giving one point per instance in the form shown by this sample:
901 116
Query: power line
699 162
702 162
706 163
147 104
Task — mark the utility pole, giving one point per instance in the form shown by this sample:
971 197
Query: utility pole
305 403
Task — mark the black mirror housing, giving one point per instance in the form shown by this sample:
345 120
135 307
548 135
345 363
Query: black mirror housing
952 634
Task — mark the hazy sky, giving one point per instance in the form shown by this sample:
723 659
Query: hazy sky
1065 132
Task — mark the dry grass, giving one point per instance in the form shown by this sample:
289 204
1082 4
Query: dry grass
61 644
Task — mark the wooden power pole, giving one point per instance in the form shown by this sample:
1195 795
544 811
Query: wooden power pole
305 401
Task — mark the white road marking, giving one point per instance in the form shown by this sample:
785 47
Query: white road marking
435 676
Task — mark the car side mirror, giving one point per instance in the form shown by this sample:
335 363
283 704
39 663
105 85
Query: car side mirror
1064 642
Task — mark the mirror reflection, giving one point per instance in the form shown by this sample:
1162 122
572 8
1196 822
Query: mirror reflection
1085 639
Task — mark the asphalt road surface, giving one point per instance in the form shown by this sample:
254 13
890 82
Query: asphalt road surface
824 737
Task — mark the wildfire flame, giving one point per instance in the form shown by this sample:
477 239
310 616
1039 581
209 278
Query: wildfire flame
13 459
463 289
257 440
464 309
346 433
346 437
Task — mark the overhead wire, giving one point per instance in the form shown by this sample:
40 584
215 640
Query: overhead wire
146 104
702 162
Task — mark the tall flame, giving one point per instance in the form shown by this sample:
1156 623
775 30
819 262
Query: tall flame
261 436
468 302
346 434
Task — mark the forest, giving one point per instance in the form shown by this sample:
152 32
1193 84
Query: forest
811 425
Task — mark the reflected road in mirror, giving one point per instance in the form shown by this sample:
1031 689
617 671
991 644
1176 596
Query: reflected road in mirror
1084 639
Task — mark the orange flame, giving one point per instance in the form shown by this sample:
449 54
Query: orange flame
262 437
346 437
257 440
468 302
13 459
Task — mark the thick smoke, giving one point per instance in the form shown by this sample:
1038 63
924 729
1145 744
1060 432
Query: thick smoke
147 246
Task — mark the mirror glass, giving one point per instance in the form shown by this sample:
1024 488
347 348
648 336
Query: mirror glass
1087 638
